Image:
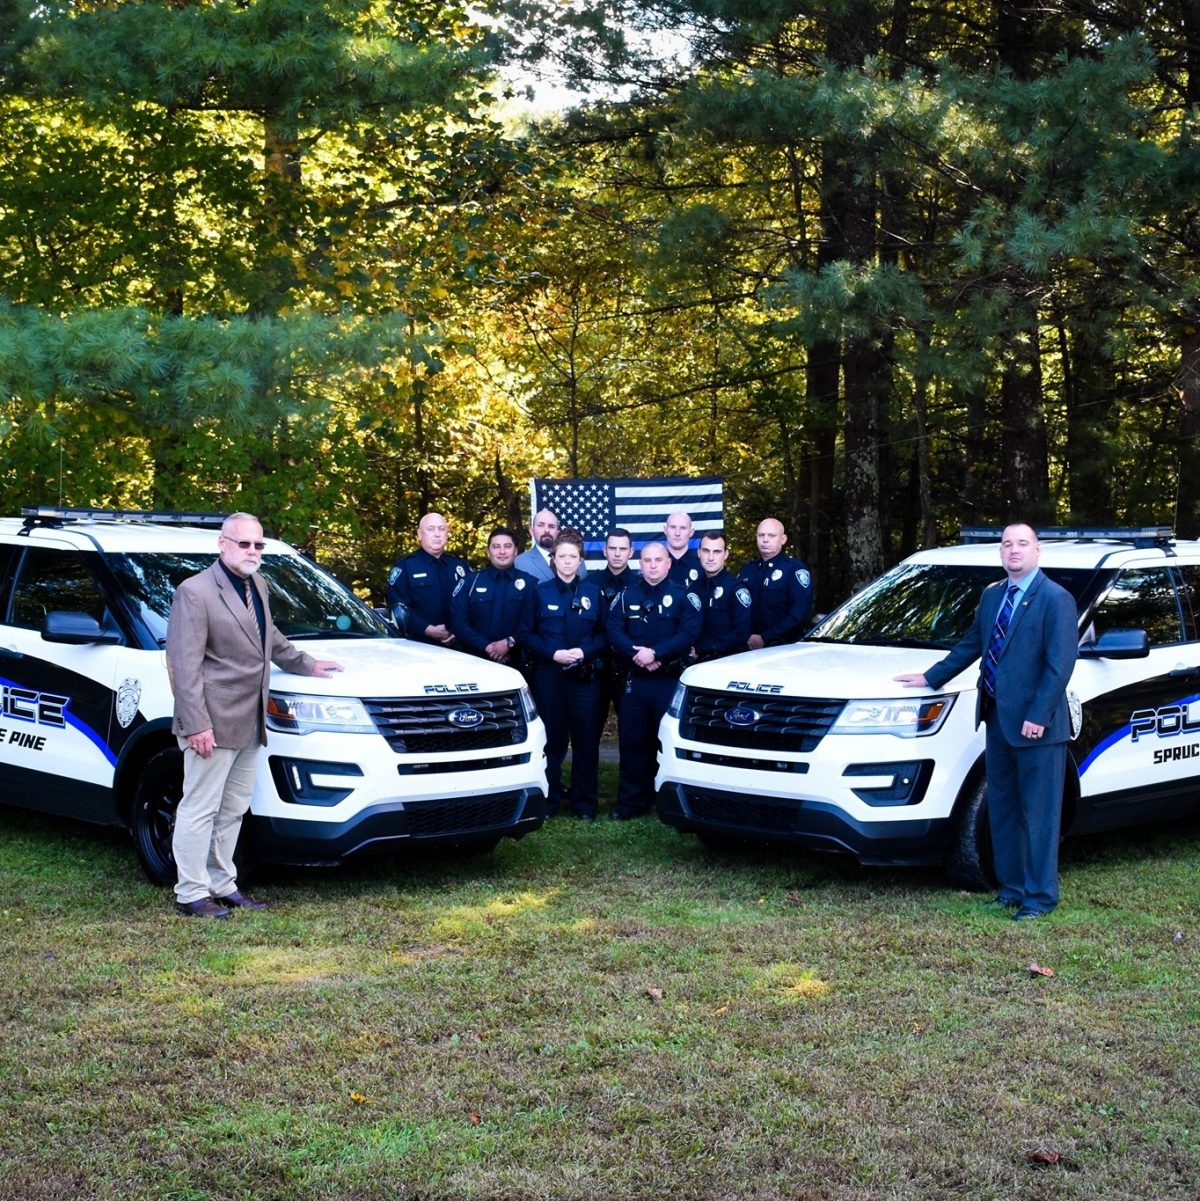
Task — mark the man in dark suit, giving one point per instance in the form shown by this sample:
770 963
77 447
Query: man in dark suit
1025 636
221 643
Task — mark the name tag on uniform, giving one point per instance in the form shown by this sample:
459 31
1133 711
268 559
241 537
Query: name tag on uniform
480 589
634 608
419 575
552 608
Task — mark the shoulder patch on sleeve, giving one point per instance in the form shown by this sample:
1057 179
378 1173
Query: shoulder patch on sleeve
394 574
743 596
458 587
803 578
693 600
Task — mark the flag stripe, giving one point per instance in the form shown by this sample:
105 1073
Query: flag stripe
671 495
593 506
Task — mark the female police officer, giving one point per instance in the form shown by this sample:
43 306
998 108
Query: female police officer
566 640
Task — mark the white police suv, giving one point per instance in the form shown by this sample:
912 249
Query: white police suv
410 744
815 744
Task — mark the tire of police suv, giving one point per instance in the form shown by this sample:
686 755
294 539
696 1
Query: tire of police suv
152 820
968 859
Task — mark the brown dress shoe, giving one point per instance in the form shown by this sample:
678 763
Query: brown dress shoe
237 900
204 907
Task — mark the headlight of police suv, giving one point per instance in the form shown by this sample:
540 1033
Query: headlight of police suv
675 708
907 717
527 705
293 713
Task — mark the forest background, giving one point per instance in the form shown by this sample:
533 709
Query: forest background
887 267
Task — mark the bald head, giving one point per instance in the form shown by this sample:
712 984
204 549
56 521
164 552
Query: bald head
655 562
771 538
678 529
544 529
432 534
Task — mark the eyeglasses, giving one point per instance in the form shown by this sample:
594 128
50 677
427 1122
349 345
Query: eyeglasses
245 543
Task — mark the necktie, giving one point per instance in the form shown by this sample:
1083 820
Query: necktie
996 641
250 605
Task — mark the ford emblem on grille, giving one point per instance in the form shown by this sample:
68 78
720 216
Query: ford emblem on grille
742 716
465 719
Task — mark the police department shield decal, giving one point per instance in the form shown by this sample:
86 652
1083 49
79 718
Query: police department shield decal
128 696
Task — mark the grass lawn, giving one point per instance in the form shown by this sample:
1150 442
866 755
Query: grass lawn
604 1011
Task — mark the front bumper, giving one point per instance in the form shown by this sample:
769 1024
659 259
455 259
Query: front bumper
812 825
393 825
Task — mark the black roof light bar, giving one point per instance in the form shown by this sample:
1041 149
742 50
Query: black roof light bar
1138 536
54 515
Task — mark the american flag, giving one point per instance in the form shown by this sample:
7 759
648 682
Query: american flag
641 506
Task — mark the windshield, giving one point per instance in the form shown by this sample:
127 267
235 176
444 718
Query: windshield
923 604
305 601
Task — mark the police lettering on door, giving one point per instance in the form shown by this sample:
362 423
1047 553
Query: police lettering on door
1170 721
36 708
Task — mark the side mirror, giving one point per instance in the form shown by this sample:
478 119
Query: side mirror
78 629
1117 644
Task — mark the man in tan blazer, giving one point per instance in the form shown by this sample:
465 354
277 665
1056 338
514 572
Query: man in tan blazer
221 643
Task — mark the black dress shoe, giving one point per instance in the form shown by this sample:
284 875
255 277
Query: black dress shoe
1001 903
1029 915
204 907
235 900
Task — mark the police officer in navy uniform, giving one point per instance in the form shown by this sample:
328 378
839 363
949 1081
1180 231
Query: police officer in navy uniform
685 563
780 587
618 548
725 604
566 639
491 610
652 626
421 584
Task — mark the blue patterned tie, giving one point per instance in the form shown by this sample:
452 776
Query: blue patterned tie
996 642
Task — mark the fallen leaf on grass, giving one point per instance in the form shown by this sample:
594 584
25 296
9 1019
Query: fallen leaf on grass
720 1009
1046 1158
1036 969
475 1119
794 898
655 994
359 1099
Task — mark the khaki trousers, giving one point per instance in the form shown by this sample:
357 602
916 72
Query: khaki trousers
216 795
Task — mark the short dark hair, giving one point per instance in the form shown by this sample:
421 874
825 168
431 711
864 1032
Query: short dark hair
619 532
713 535
503 531
569 534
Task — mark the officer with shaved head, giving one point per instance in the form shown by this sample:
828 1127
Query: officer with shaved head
780 587
421 584
685 563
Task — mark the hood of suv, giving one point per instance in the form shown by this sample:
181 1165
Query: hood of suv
843 670
397 667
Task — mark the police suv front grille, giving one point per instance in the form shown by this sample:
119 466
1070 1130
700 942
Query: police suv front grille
464 816
747 813
428 725
764 723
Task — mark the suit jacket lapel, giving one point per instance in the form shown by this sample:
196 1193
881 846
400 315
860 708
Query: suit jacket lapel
1023 603
235 602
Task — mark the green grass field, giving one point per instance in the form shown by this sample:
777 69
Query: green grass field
598 1012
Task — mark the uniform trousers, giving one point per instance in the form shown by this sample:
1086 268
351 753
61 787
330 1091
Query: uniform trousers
568 708
646 700
1025 788
216 795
